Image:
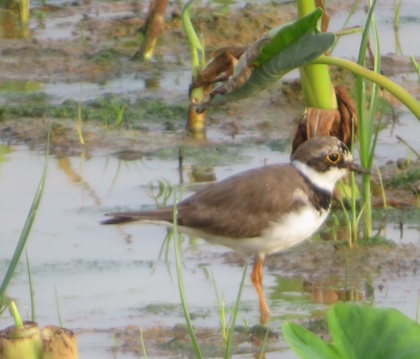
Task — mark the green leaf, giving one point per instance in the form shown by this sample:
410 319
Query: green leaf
282 36
363 332
359 332
306 344
299 53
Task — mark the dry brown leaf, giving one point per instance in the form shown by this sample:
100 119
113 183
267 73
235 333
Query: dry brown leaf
321 122
220 68
325 20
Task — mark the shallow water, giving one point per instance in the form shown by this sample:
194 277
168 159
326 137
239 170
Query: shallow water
108 277
102 280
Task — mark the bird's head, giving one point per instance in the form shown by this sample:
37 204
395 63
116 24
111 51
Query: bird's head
324 160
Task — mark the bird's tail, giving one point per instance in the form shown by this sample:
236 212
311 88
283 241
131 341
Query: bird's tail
162 214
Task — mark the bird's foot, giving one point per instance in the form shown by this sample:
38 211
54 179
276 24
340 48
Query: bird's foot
264 317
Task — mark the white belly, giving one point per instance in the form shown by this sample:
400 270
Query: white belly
291 230
294 229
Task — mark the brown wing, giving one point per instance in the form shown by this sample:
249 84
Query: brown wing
239 206
242 206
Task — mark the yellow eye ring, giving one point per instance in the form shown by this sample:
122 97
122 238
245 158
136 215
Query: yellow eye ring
333 158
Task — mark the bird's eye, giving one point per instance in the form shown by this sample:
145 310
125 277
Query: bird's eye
333 157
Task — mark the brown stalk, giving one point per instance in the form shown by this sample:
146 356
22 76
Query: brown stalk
153 26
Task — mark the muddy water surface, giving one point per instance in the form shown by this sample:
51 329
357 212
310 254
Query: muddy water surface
108 278
112 281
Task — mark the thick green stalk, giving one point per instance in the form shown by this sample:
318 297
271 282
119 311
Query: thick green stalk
316 83
317 88
305 7
196 122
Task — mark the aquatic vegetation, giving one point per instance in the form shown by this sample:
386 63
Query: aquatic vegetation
406 177
329 110
196 121
358 332
416 65
111 110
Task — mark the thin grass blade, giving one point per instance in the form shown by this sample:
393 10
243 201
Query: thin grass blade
143 345
26 228
31 289
222 312
190 328
57 303
235 314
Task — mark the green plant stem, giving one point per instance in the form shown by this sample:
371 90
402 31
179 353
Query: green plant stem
15 315
317 87
235 314
316 83
416 65
354 195
381 185
57 303
400 93
305 7
143 345
367 140
411 148
193 40
222 312
181 284
31 289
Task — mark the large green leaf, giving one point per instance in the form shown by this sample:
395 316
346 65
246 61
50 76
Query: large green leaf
306 344
299 53
284 35
273 55
359 332
363 332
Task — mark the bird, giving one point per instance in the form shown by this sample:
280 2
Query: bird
264 210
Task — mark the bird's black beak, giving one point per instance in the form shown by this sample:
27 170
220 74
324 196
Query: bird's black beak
357 168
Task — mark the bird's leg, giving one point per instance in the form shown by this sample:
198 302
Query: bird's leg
257 279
